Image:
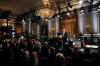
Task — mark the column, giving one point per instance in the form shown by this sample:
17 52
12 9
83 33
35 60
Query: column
49 28
49 25
81 22
95 21
57 25
30 26
38 31
24 25
13 28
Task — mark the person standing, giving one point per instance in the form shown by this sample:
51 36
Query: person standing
64 36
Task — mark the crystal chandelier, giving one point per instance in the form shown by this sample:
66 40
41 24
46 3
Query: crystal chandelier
46 11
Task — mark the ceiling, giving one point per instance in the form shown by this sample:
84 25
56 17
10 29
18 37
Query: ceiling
21 6
18 6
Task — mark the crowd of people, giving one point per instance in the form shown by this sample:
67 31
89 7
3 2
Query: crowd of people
30 52
25 51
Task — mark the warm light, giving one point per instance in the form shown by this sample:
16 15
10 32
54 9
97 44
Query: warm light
87 26
52 29
64 30
4 22
45 13
45 2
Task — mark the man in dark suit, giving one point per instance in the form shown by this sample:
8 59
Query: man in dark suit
65 36
59 41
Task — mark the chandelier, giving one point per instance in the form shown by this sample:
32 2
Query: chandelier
46 11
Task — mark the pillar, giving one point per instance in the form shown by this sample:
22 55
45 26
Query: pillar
49 28
23 25
81 22
95 21
49 25
13 26
30 26
57 25
38 31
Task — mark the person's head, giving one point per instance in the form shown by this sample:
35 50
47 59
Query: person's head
27 53
46 43
60 35
25 42
36 41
